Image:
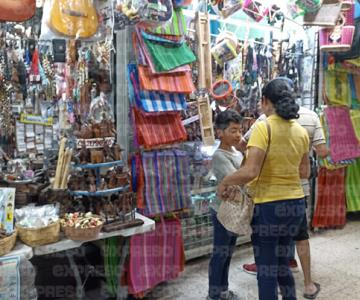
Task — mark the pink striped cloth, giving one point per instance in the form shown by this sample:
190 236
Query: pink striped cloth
156 256
343 141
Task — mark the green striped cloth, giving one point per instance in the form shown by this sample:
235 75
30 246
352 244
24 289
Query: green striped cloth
166 58
355 120
177 26
352 187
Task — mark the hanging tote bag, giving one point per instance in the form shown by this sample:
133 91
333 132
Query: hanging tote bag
309 5
340 37
326 16
236 213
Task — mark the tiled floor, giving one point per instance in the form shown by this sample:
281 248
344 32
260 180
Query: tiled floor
335 263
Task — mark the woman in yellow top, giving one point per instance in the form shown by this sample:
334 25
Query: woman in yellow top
274 178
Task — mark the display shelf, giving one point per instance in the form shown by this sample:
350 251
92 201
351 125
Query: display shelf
204 190
66 244
21 249
100 193
205 250
100 165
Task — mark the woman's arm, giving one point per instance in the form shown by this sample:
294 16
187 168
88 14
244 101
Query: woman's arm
247 173
304 168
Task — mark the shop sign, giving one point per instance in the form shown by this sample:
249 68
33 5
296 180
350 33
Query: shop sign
95 143
36 119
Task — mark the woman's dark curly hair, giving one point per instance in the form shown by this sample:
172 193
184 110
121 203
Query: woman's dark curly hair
280 94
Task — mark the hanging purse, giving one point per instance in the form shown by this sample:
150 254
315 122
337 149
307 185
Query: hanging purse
255 10
339 38
236 213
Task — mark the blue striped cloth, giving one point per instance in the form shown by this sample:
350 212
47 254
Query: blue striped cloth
150 101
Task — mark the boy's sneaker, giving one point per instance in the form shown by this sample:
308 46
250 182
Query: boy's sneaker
293 265
251 268
228 295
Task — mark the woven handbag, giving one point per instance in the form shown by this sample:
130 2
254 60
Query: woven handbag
236 213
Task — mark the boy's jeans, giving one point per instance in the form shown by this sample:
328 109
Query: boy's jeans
223 248
274 225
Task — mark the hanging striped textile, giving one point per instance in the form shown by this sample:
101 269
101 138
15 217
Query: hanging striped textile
343 141
171 83
167 181
165 58
177 26
352 187
330 209
355 120
355 90
337 88
328 162
182 3
155 257
145 59
158 129
150 101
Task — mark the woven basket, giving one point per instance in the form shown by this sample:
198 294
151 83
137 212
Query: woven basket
7 244
81 234
39 236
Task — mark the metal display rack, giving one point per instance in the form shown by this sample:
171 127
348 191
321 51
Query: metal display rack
197 230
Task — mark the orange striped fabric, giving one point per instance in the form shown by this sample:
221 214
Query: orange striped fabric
157 129
172 83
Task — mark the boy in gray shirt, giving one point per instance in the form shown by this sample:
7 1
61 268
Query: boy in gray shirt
226 160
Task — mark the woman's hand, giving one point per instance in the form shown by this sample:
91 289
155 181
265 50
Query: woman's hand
222 191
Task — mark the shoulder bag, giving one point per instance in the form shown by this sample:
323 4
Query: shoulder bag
236 213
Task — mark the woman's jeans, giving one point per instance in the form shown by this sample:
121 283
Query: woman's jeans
223 248
274 225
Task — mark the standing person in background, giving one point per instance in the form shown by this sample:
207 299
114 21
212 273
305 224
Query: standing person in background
277 157
311 122
226 160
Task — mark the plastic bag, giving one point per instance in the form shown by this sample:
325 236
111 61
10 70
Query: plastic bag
74 19
32 216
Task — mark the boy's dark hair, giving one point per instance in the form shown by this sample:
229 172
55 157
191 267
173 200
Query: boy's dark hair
279 92
224 118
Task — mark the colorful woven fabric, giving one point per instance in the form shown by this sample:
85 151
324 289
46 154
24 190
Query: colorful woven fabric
330 209
171 83
167 181
157 129
355 104
328 162
337 88
343 141
156 256
150 101
355 119
177 26
140 182
352 187
167 58
145 59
